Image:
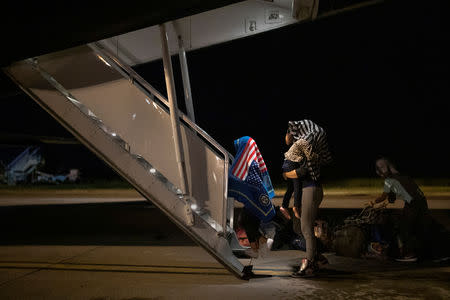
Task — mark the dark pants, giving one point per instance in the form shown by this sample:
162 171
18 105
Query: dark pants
250 223
294 185
414 222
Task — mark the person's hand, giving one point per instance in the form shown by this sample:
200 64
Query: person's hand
374 203
318 231
371 203
384 203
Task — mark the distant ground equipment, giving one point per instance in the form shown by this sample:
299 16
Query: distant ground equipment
22 167
72 177
25 169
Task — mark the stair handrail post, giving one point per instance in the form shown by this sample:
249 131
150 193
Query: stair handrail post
174 119
184 72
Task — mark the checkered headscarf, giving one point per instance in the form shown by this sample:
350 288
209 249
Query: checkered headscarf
318 153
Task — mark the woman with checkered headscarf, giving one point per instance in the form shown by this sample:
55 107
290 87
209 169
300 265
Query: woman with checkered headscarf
309 145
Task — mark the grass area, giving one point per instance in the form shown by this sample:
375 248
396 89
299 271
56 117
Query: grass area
378 182
344 186
375 186
93 184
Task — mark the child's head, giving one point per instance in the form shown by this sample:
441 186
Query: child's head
384 167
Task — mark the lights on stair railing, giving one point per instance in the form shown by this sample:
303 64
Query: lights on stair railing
103 60
72 99
152 170
113 134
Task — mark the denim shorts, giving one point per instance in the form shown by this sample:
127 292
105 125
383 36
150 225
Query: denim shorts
289 165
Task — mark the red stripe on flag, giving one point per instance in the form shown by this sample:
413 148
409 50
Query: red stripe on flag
242 162
249 154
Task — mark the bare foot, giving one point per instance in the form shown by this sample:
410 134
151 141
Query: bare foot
296 212
285 213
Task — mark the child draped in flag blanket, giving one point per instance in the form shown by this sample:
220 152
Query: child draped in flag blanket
249 183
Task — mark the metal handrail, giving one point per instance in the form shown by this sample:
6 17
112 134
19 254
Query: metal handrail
19 157
126 70
148 89
133 76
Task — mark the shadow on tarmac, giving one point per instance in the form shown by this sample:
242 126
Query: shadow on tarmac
142 224
128 223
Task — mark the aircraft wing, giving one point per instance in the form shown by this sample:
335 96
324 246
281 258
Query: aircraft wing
37 28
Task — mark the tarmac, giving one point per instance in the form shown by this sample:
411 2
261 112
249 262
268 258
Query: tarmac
111 249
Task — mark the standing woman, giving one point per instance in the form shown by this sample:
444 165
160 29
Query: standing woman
314 149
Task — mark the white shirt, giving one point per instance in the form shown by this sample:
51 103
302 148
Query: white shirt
393 185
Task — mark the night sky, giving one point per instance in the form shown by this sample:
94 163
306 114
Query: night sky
376 79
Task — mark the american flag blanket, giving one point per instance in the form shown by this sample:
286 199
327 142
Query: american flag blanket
249 181
249 165
318 153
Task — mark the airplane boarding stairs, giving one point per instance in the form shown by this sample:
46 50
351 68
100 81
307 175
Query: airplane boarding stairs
126 123
23 165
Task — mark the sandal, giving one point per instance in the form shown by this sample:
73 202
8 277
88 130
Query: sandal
307 269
